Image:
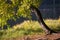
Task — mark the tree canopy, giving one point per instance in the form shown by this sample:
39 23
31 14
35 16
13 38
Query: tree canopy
9 9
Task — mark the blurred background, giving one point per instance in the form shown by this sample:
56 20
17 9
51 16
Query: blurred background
50 9
21 26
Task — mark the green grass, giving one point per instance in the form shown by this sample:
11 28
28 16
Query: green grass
28 28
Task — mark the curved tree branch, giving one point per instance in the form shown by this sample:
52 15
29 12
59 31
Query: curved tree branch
40 20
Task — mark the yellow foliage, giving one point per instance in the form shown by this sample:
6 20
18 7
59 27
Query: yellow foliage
54 24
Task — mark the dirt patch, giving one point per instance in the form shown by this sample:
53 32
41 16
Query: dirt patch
55 36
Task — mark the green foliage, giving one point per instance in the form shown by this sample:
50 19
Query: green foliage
8 10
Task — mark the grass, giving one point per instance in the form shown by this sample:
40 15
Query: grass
28 28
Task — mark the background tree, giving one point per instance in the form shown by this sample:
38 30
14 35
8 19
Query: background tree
10 9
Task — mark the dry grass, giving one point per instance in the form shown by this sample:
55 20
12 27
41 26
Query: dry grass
28 28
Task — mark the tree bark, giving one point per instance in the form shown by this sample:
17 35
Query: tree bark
40 20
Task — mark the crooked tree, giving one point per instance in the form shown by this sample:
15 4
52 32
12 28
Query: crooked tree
9 9
40 20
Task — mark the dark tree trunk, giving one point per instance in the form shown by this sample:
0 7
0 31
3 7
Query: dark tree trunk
40 20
